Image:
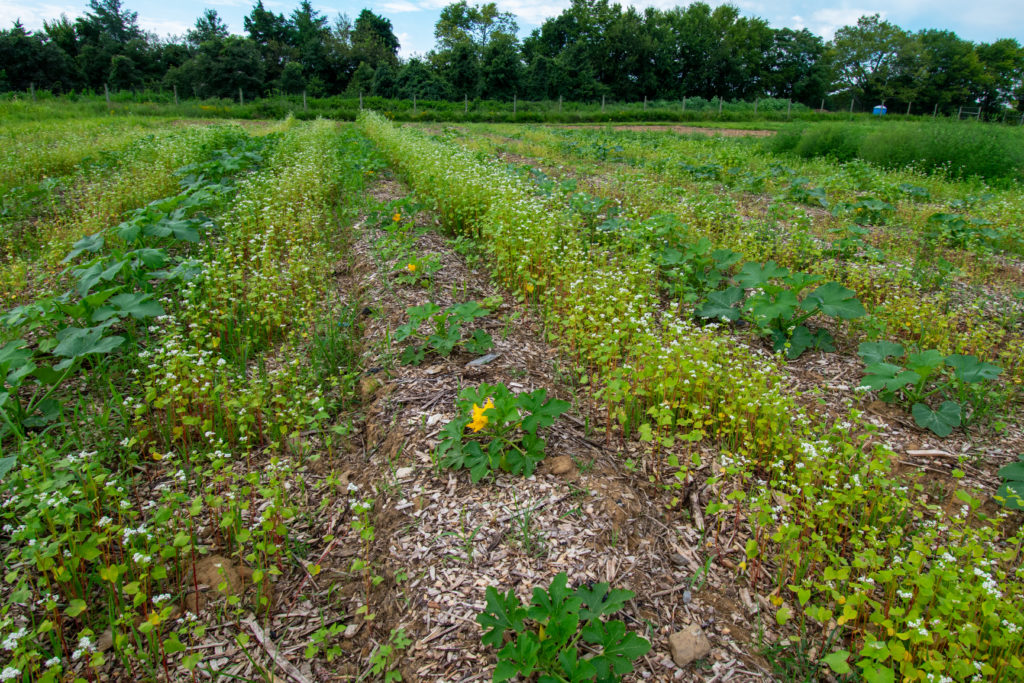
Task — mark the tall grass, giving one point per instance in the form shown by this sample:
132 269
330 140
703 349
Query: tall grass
954 148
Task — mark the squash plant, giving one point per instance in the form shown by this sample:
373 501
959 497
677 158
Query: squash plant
911 378
545 634
778 308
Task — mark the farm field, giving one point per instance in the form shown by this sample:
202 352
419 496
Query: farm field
307 401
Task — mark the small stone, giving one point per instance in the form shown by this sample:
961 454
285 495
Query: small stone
483 360
561 465
687 597
351 630
689 645
404 472
105 641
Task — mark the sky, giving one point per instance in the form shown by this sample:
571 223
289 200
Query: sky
413 20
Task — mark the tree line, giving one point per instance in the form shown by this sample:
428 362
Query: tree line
591 51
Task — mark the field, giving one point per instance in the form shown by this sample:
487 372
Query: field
318 401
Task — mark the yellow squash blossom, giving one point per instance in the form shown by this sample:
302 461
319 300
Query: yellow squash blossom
411 267
479 419
397 217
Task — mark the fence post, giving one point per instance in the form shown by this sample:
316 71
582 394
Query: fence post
106 91
755 106
935 112
852 100
361 100
908 108
645 102
32 88
684 102
789 106
602 104
465 108
719 105
559 103
822 107
303 100
959 112
175 95
241 97
515 101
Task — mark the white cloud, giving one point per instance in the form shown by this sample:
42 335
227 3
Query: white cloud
165 27
825 22
33 15
397 7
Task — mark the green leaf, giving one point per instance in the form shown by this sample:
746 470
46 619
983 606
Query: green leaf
753 275
969 369
468 311
90 243
619 647
6 465
574 668
503 612
804 339
925 362
151 258
75 342
941 422
518 657
542 413
479 342
1011 494
834 300
837 661
888 377
1012 490
783 615
600 601
721 305
557 600
138 306
766 309
173 644
1014 471
75 607
190 661
879 352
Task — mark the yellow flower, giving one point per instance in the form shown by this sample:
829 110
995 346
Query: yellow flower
529 288
479 419
743 566
411 267
397 217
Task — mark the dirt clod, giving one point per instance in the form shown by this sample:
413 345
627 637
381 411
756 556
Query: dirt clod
689 645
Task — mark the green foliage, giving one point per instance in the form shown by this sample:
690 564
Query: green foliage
918 376
776 308
447 330
692 271
959 231
959 149
545 634
505 430
1011 493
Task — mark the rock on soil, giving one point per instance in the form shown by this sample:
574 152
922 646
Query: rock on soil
688 645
